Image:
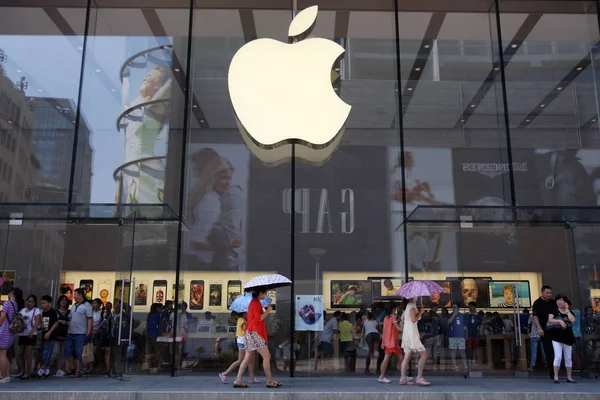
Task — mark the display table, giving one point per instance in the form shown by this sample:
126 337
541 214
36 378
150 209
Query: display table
506 339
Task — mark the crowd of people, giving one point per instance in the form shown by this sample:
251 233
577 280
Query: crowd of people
45 335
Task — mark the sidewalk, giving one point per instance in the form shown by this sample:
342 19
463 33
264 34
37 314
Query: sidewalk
205 387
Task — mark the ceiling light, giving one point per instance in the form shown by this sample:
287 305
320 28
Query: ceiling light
165 47
80 48
559 88
579 68
98 70
427 46
409 89
462 120
57 107
542 105
201 121
497 69
527 120
176 70
113 90
40 90
417 69
514 45
19 71
73 121
473 105
336 69
195 106
593 120
9 121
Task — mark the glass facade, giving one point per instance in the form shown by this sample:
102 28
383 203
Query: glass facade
471 157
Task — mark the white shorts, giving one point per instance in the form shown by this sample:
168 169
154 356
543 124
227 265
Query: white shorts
456 343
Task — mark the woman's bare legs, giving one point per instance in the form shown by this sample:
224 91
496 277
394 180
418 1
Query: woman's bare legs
384 365
266 356
421 365
248 358
236 363
405 363
4 364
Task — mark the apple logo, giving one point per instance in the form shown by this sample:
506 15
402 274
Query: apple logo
282 93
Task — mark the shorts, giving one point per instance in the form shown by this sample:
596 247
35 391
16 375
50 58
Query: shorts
372 338
48 352
473 342
74 346
455 343
241 343
26 341
326 348
255 342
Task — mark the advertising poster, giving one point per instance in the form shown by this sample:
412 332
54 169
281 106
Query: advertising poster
309 313
441 299
215 294
196 295
216 201
428 181
105 290
181 292
234 289
468 289
66 289
141 293
502 294
88 288
159 291
121 292
351 294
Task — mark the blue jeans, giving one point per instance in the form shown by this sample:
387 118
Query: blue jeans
534 342
47 352
74 346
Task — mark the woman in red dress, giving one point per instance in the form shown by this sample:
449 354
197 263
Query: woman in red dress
256 340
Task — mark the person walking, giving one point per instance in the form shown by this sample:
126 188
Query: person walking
411 342
240 334
542 308
256 340
560 329
389 344
7 338
371 332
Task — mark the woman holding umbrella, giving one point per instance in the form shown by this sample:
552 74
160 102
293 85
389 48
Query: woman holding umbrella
256 339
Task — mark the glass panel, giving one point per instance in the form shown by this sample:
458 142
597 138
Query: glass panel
236 217
132 107
38 102
348 263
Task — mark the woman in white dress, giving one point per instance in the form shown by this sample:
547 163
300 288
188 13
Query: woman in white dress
411 343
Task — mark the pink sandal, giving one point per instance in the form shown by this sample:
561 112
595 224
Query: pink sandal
405 381
422 382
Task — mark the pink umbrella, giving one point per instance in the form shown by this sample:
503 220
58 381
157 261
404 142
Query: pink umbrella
414 289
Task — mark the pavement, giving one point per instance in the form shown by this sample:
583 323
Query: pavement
203 386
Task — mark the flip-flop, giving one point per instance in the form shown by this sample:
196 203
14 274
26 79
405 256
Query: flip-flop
240 386
274 385
255 382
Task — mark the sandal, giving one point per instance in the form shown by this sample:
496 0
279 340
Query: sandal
274 385
255 382
223 379
77 374
240 386
422 382
406 381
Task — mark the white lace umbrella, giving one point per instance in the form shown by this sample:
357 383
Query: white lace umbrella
270 281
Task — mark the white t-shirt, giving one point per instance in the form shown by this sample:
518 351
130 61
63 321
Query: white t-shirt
330 327
97 318
370 326
29 317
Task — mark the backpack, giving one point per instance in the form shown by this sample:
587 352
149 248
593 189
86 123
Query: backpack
103 333
17 325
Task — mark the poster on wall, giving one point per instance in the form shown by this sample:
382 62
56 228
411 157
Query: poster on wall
502 293
181 292
159 291
351 294
216 201
441 299
88 288
141 293
196 295
66 289
234 289
309 313
105 290
428 181
385 288
215 294
465 290
121 291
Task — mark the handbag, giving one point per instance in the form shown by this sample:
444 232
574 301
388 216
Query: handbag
363 345
87 356
17 323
